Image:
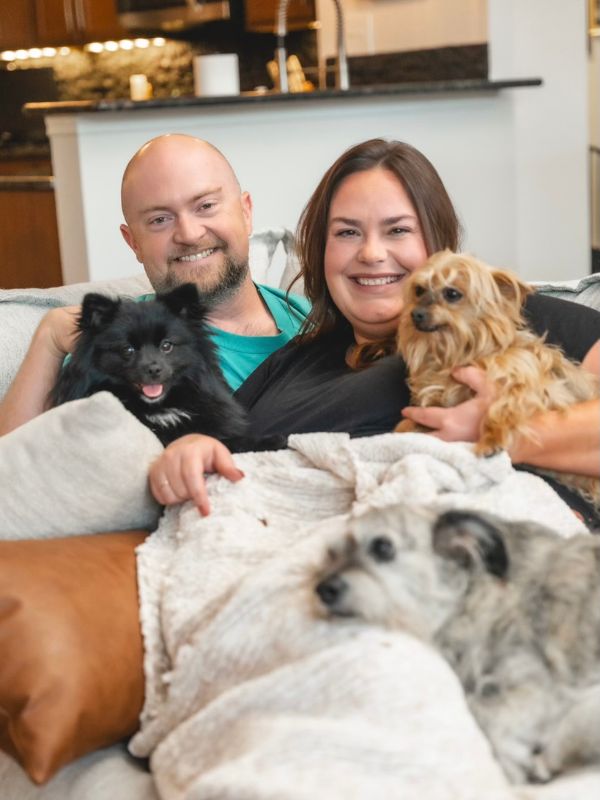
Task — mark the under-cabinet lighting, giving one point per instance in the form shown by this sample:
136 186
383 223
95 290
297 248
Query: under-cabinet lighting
92 47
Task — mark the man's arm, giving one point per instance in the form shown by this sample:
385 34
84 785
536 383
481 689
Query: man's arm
564 441
27 395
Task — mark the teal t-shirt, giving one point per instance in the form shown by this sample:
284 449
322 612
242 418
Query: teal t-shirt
239 355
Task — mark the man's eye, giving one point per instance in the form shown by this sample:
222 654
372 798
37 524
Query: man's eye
166 346
127 351
451 295
207 206
158 220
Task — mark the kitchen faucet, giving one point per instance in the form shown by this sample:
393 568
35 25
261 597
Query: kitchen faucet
342 80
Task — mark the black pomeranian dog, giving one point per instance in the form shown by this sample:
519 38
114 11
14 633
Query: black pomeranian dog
158 359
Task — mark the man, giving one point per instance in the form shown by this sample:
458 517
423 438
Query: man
187 220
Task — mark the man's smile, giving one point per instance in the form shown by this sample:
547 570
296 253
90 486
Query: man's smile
199 256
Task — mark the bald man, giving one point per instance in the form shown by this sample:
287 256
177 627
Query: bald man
186 220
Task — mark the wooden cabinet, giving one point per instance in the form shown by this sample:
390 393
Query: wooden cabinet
29 248
261 15
28 239
76 21
17 24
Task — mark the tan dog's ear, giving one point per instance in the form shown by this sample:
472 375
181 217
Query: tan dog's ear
511 287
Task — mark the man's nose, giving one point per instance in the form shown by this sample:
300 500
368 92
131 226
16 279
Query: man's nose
372 250
188 229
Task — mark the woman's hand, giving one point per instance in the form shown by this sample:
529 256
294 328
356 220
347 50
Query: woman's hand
461 423
178 473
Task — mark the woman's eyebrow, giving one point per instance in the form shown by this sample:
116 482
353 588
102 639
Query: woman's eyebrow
386 221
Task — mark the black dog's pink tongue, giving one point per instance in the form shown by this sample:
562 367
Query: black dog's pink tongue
152 389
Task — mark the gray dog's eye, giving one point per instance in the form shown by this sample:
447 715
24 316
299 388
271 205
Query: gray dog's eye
381 548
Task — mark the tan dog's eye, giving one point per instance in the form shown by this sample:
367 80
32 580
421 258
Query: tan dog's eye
419 291
451 295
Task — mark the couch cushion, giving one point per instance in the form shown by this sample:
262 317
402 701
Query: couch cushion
71 676
79 468
585 291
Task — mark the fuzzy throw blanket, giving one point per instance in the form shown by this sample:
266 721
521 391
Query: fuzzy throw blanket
251 693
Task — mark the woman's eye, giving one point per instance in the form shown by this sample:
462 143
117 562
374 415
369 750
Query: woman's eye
346 233
451 295
127 351
166 346
399 231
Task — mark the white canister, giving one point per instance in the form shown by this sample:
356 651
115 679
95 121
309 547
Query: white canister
216 74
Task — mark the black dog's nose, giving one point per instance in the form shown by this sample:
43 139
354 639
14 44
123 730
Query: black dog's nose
331 589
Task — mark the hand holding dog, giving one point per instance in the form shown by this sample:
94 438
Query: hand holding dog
461 423
59 329
177 474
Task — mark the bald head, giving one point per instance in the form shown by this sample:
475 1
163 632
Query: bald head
169 152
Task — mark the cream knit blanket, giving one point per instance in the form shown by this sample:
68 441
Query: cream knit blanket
251 695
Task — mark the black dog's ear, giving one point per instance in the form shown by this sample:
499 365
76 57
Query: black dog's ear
470 539
184 301
97 311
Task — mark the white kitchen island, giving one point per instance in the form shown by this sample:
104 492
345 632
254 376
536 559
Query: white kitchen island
281 145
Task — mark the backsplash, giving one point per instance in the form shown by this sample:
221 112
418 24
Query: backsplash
84 75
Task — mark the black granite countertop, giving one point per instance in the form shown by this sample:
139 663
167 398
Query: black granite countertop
271 97
26 183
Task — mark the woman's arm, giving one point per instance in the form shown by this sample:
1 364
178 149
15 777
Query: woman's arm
27 395
564 441
178 473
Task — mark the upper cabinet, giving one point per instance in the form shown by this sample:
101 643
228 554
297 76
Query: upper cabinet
261 15
17 24
75 21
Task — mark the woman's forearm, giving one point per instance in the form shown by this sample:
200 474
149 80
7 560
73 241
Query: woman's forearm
564 441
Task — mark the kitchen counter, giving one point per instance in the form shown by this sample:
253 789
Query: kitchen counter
280 146
26 183
272 98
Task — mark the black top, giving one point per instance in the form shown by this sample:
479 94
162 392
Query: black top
309 388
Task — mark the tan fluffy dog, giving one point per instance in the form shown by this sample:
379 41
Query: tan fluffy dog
459 311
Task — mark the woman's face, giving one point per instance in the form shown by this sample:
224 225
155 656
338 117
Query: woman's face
374 241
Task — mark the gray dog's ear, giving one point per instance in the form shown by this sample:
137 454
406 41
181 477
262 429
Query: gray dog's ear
469 539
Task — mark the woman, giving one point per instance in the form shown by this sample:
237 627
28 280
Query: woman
375 217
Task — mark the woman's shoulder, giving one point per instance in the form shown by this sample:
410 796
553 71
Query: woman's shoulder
571 325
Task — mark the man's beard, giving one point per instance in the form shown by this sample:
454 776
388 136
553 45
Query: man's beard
230 279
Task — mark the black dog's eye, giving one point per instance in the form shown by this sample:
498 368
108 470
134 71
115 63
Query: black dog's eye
127 351
382 549
451 295
419 291
166 346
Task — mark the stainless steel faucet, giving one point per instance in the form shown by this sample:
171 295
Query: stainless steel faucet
342 78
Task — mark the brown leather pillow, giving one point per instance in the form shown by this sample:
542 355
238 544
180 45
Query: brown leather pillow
71 655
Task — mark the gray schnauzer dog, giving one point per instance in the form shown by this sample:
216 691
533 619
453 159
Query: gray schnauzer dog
512 606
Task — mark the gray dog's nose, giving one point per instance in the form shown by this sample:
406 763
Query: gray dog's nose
331 589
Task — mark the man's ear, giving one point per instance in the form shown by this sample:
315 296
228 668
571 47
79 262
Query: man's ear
246 202
471 540
130 239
